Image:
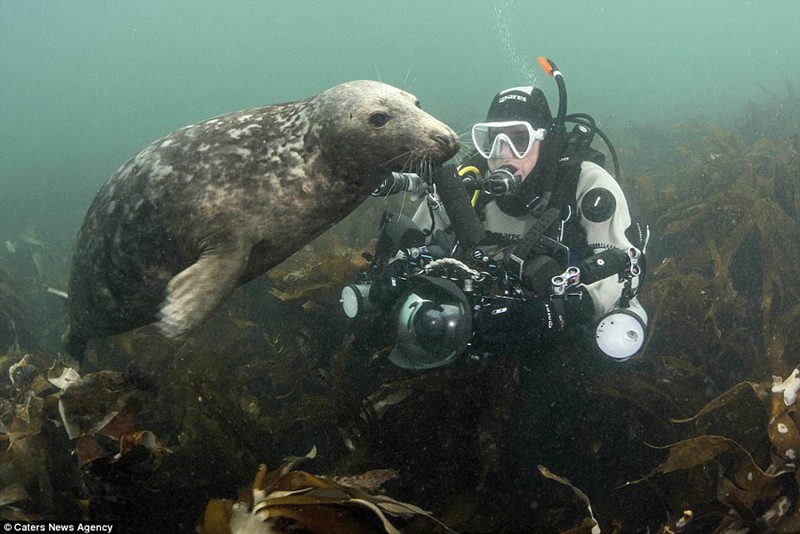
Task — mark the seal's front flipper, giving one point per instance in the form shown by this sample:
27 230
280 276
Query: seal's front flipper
196 292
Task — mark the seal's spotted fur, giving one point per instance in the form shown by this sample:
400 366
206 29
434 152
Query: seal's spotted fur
215 204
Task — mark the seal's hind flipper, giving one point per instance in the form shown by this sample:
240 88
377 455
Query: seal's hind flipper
196 292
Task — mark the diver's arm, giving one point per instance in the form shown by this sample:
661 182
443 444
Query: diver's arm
604 216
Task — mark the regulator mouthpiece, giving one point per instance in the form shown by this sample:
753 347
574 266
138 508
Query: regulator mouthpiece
501 182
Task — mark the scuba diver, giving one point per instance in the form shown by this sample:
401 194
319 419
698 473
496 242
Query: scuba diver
524 239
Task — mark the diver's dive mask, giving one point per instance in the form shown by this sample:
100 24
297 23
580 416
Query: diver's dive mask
517 137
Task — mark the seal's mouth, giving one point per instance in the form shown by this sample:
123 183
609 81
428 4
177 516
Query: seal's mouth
422 159
440 148
420 151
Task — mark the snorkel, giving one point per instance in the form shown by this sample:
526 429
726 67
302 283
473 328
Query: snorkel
585 128
557 127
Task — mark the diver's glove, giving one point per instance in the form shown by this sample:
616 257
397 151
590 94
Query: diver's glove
535 274
511 323
456 200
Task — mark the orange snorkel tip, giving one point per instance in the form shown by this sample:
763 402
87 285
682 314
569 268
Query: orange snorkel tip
551 70
547 66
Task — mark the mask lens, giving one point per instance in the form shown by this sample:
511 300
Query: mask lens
482 139
518 137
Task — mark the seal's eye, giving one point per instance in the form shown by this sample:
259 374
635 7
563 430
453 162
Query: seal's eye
418 104
378 119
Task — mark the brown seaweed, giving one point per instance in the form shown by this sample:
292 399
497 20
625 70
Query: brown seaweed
740 482
296 501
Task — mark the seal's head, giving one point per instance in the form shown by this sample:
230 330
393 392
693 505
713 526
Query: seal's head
369 128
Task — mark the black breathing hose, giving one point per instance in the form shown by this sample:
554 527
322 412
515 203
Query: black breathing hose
456 200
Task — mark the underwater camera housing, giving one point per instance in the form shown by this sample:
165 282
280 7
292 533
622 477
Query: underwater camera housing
431 320
428 300
430 317
434 324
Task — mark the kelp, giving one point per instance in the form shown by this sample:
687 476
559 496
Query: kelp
316 267
735 251
33 275
756 496
58 413
16 323
592 527
777 117
288 500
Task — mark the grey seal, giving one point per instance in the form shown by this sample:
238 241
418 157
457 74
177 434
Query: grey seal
215 204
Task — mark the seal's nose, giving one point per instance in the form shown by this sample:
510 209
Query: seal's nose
448 142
